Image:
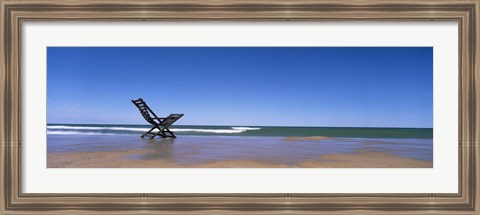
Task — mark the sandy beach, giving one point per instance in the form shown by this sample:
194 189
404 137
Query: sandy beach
119 159
195 151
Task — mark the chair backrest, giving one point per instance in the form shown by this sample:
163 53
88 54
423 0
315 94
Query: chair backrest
171 119
145 111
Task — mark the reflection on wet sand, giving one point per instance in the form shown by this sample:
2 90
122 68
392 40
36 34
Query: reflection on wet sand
231 151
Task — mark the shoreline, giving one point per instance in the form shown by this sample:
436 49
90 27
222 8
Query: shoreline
300 138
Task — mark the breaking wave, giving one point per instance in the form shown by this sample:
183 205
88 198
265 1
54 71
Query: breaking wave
77 133
64 127
89 130
232 130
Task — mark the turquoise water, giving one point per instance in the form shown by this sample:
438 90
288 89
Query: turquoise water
260 131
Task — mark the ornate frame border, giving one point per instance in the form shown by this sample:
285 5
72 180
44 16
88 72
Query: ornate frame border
14 12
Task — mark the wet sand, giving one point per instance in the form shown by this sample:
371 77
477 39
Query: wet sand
308 138
364 159
120 159
130 151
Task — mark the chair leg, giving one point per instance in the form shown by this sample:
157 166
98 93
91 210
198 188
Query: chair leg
171 133
148 132
161 133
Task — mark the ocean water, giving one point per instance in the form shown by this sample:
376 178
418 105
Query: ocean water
259 131
198 144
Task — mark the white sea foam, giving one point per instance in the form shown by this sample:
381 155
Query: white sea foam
245 128
77 133
62 129
233 130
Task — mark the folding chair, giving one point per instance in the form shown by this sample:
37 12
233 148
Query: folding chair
159 123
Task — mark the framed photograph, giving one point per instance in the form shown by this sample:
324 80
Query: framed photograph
245 107
187 107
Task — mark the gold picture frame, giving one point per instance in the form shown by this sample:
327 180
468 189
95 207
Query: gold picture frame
14 12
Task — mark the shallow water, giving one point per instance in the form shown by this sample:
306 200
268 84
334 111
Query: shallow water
190 149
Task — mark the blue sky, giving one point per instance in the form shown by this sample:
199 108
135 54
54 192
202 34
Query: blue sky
279 86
